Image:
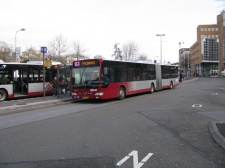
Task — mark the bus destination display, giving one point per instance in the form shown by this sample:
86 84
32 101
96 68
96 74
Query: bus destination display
85 63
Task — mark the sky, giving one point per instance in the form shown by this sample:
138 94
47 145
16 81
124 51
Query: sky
99 24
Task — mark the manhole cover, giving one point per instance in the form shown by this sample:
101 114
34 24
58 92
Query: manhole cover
196 105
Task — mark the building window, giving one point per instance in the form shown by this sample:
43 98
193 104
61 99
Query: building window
205 29
201 29
213 29
216 29
209 29
210 50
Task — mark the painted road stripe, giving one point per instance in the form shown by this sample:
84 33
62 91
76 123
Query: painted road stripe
123 160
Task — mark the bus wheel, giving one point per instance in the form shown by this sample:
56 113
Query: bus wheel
121 93
152 88
3 95
171 85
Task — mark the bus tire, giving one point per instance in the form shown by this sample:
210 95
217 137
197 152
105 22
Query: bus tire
3 95
171 85
122 93
152 88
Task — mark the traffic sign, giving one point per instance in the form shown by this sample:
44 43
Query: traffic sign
18 51
44 49
48 63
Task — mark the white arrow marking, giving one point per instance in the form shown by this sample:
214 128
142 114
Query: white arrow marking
135 159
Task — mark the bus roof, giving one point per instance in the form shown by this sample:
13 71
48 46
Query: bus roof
142 61
41 62
31 63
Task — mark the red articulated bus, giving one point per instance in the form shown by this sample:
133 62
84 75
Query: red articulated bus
108 79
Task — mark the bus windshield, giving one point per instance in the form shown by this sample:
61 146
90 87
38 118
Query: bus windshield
85 77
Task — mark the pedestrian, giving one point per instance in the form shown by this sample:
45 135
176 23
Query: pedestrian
55 85
63 85
180 79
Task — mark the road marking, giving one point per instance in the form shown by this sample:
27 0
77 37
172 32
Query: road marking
123 160
135 159
222 88
196 105
214 93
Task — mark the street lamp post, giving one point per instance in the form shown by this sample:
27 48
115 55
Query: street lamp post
160 45
15 40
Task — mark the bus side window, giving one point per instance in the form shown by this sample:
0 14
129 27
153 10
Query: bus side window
111 76
33 80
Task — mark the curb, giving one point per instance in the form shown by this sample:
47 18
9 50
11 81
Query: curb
188 80
33 105
213 129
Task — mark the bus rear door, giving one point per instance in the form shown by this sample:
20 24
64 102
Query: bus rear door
20 83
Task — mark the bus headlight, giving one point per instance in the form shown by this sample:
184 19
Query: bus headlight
99 94
74 94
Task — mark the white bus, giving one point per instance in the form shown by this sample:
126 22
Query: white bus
26 79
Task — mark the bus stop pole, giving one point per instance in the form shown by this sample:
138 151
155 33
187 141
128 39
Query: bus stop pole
70 83
43 75
58 80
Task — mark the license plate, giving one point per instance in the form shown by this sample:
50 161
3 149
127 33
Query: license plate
85 97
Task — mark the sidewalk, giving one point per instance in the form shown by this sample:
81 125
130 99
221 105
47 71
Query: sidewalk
26 104
217 130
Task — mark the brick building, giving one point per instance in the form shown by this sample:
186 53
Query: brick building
207 53
204 53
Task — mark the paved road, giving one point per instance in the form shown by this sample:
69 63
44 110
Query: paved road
166 129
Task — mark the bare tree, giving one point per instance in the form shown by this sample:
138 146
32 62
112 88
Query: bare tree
143 57
58 46
60 59
32 54
117 52
130 50
6 53
78 50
